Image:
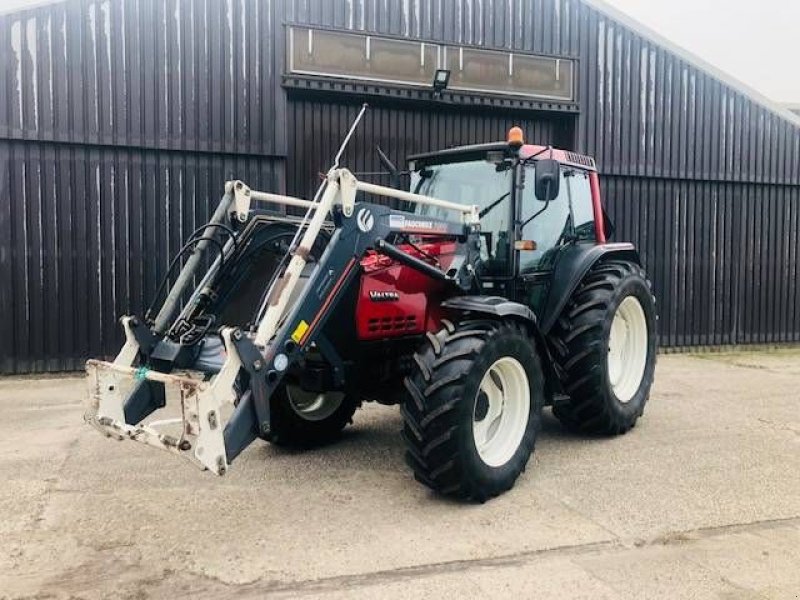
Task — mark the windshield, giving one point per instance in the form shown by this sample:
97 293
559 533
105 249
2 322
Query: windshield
472 182
478 182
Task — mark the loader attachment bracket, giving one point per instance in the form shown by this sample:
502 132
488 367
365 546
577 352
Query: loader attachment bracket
138 338
347 184
253 365
241 199
195 430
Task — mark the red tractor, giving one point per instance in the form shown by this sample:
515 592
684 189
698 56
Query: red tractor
484 294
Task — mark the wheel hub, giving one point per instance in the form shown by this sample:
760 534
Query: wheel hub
502 408
627 349
313 406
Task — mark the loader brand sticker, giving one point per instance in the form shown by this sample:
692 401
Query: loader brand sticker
365 220
402 222
381 296
299 331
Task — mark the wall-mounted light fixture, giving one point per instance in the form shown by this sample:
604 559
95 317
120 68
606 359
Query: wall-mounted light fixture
441 79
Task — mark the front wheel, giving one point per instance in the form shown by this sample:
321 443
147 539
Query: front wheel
474 408
605 347
305 419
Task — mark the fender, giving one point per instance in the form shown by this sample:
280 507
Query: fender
571 267
503 308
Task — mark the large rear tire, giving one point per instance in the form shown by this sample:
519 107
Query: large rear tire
306 419
474 408
605 348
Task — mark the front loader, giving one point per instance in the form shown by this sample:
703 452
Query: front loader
483 294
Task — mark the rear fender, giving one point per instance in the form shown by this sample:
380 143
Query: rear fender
571 267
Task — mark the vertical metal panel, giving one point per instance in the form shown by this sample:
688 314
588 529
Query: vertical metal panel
175 74
704 111
87 233
723 257
114 115
318 126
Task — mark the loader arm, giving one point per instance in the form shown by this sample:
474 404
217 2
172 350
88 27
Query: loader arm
223 412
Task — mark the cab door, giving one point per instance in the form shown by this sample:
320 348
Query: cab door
569 219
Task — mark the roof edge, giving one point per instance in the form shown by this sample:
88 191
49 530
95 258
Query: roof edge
28 5
691 58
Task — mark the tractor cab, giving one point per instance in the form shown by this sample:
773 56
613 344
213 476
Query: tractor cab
527 214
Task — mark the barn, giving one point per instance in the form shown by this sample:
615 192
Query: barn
120 121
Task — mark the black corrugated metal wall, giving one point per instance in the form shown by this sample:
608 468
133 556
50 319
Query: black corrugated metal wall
316 130
703 179
121 119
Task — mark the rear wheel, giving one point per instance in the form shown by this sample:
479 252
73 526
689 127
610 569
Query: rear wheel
305 419
605 347
474 408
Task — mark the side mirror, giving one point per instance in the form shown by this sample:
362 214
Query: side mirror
547 181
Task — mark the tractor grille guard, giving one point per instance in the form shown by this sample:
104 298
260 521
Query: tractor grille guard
208 438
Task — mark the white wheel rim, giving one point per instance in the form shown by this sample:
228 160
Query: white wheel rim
311 405
627 349
501 412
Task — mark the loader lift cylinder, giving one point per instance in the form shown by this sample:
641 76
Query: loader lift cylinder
164 317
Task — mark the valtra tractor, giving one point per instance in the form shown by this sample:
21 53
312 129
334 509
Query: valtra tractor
484 294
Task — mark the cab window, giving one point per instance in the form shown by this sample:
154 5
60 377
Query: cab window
568 217
582 206
481 182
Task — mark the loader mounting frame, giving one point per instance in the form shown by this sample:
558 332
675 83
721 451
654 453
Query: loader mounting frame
283 333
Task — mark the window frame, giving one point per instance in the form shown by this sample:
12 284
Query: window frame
510 57
442 51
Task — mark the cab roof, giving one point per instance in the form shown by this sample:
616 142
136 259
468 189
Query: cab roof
565 157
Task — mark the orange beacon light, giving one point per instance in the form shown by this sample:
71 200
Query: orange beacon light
515 137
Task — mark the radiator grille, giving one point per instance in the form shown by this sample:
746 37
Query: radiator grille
389 324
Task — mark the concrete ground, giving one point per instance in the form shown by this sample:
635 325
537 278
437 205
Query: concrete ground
701 500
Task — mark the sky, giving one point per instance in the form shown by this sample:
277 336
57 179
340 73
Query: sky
755 41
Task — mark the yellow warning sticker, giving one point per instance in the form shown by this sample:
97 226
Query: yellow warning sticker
299 331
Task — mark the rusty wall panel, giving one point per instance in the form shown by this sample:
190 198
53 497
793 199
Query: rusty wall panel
86 234
175 74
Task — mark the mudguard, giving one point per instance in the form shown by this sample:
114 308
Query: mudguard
503 308
495 306
571 267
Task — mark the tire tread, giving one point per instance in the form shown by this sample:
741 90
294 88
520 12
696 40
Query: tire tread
578 344
434 411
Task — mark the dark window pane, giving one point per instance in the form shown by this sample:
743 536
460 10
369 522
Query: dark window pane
478 69
494 71
395 60
547 229
357 56
542 76
345 55
329 53
553 225
480 183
